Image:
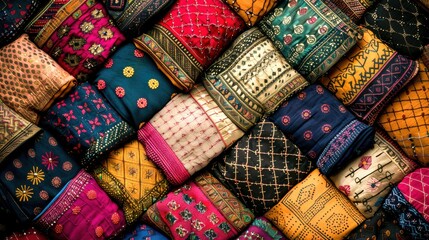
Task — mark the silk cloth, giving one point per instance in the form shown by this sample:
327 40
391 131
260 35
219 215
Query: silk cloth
131 179
30 80
369 76
354 9
406 117
261 228
315 209
252 11
187 134
190 36
311 35
369 178
251 79
146 232
200 209
324 130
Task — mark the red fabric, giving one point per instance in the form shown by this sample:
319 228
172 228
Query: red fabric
415 188
204 27
29 234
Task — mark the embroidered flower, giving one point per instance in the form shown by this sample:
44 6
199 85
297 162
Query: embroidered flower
31 153
58 228
306 114
72 60
323 29
312 19
99 231
52 141
74 96
308 135
287 39
94 123
285 120
141 103
17 163
49 160
70 115
186 215
319 89
63 31
138 53
24 193
326 128
365 162
301 95
84 108
373 184
120 92
101 84
80 129
97 13
197 224
128 71
173 205
213 218
61 104
86 27
181 231
105 33
342 109
77 43
325 108
44 195
91 194
56 182
115 218
312 154
96 49
76 210
109 118
99 103
109 63
153 83
345 189
9 176
35 175
67 166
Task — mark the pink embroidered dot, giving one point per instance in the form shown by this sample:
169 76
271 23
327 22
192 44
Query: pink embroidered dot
138 53
345 189
326 128
109 63
325 108
58 228
56 182
308 135
67 166
76 210
312 154
99 231
9 176
17 163
319 89
342 108
44 195
101 84
141 103
120 92
52 141
37 210
287 39
31 153
306 114
115 218
91 194
302 95
285 120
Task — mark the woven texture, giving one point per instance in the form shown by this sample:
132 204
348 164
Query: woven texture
252 11
353 8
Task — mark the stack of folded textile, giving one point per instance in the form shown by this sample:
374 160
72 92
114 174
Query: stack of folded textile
214 119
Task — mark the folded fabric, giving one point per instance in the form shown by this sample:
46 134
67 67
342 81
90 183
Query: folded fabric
35 173
80 37
81 211
315 209
425 4
380 226
262 167
187 134
15 15
251 79
131 15
14 130
408 217
406 117
87 124
27 234
310 34
368 179
146 232
402 24
354 9
200 209
252 11
323 128
131 180
369 76
30 80
189 37
261 228
425 55
133 85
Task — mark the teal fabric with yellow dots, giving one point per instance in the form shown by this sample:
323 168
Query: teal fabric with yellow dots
133 85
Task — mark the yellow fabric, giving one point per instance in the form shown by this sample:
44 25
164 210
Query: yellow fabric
251 11
406 118
315 209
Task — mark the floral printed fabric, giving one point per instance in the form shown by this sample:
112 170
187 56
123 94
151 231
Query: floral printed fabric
36 172
85 121
261 228
323 128
200 209
310 34
133 85
369 178
80 37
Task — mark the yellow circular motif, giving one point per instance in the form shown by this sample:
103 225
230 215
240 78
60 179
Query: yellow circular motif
153 84
128 71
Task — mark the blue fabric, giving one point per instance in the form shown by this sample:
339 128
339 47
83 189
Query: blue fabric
144 232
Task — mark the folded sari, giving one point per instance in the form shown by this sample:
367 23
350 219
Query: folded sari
261 228
402 24
189 37
80 37
146 232
14 131
187 134
131 15
131 179
408 202
315 209
323 128
133 85
368 179
262 167
251 79
310 34
30 80
369 76
354 9
406 117
81 211
252 11
27 234
200 209
35 173
87 124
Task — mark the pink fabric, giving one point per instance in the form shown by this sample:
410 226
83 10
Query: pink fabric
415 188
162 155
82 211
